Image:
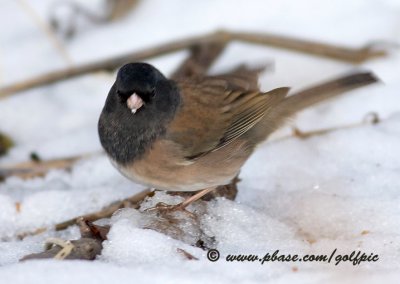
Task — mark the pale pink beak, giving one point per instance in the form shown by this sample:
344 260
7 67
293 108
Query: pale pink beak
134 102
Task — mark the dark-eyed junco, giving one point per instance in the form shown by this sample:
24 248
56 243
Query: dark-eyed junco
193 134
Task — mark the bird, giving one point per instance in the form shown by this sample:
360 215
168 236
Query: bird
194 134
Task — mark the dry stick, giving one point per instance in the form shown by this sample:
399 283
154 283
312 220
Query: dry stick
114 10
47 31
131 202
120 8
200 60
32 169
371 118
187 255
353 55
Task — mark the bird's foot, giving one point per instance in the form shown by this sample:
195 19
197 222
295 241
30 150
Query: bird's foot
163 208
181 207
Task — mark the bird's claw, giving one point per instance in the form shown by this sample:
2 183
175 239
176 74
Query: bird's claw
164 208
161 206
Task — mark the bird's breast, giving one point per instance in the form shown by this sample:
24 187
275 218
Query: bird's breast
163 167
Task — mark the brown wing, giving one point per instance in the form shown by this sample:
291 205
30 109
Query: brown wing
216 111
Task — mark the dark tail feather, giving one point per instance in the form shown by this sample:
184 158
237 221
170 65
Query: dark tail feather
287 107
325 91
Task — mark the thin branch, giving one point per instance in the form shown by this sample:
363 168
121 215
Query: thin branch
131 202
45 28
371 118
31 169
113 10
352 55
87 247
201 57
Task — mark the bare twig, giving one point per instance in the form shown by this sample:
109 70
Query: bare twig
47 31
131 202
87 247
370 118
187 255
352 55
34 168
200 60
120 8
113 10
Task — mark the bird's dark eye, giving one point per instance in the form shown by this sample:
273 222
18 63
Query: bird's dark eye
119 93
148 95
123 96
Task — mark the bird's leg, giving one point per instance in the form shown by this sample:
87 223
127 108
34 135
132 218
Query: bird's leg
194 197
181 206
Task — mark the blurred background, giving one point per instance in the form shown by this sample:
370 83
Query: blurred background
60 119
337 190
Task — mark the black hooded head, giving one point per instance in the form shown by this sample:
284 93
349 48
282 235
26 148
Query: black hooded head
126 136
139 78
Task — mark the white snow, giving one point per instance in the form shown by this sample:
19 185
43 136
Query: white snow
337 190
